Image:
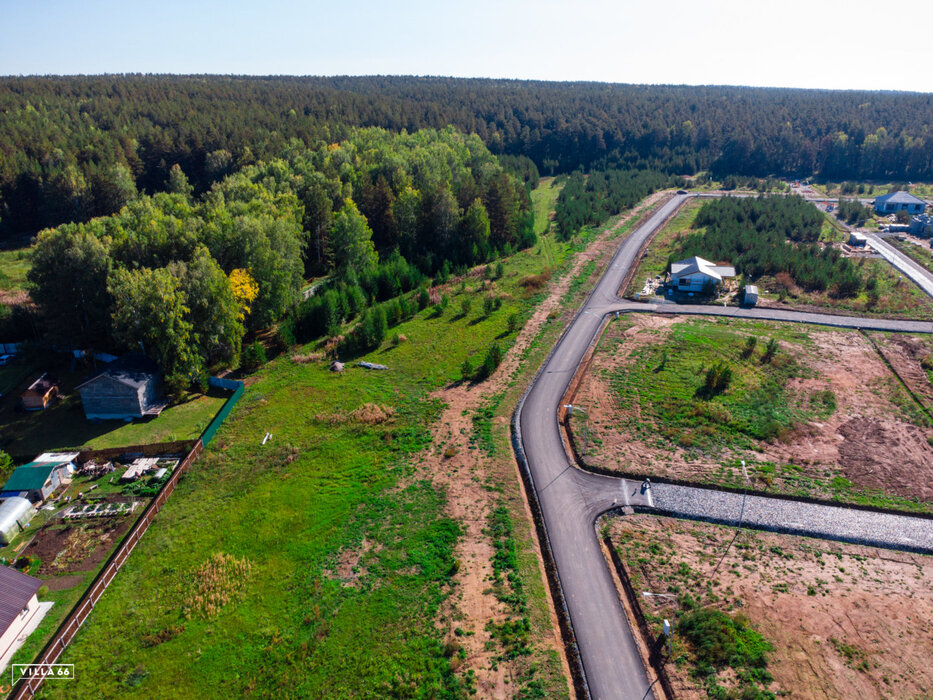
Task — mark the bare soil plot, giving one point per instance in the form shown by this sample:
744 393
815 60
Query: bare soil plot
77 547
830 415
843 621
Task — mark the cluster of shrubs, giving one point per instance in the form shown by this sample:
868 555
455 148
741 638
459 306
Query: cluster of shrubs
358 295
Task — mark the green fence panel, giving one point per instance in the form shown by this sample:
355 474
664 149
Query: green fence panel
222 414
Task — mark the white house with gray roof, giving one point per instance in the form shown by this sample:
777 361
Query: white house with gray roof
698 275
899 201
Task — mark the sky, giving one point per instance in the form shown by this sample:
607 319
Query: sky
830 44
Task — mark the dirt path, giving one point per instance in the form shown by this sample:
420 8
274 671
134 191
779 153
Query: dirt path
462 470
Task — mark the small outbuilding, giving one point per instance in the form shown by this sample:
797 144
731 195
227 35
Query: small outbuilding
698 275
899 201
922 225
750 296
37 481
125 389
40 393
15 514
857 240
20 610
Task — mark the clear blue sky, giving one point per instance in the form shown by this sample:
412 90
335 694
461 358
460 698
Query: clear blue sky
794 43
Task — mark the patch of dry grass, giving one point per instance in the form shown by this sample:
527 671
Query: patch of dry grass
217 582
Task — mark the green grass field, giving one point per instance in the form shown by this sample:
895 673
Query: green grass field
344 556
14 264
922 255
665 403
667 381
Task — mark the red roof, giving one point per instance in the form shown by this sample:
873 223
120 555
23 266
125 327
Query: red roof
16 590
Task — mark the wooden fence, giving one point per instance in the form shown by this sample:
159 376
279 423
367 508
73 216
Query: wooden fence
69 628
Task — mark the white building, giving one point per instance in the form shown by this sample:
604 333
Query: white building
698 275
899 201
20 611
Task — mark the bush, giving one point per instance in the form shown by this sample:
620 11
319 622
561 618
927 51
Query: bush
424 298
254 356
721 641
465 305
718 378
770 351
513 323
466 370
491 361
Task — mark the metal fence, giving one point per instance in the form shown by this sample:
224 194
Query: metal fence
69 628
222 414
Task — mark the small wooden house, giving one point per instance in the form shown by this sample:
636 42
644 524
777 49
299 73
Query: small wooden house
125 389
40 393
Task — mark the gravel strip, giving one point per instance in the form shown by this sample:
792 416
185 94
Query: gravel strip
830 522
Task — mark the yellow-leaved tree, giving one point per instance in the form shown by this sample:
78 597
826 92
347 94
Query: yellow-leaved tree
245 290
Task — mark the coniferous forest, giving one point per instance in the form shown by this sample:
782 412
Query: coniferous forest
76 147
178 214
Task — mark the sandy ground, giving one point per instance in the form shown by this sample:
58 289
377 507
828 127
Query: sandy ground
868 436
464 477
845 621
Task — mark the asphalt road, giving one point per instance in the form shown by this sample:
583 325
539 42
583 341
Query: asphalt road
570 499
917 273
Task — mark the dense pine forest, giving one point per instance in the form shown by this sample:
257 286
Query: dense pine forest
72 148
770 236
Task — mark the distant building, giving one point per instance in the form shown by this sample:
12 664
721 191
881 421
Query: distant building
697 275
750 297
37 481
126 388
899 201
19 609
922 225
40 393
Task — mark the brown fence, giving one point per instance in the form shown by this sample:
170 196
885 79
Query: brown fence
153 450
69 628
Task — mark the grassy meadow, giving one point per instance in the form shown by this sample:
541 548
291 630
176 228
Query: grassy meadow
14 264
312 566
668 383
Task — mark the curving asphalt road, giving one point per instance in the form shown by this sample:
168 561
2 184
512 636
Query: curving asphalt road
570 500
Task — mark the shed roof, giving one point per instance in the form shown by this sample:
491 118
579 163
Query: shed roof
899 197
31 476
16 590
133 370
43 384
